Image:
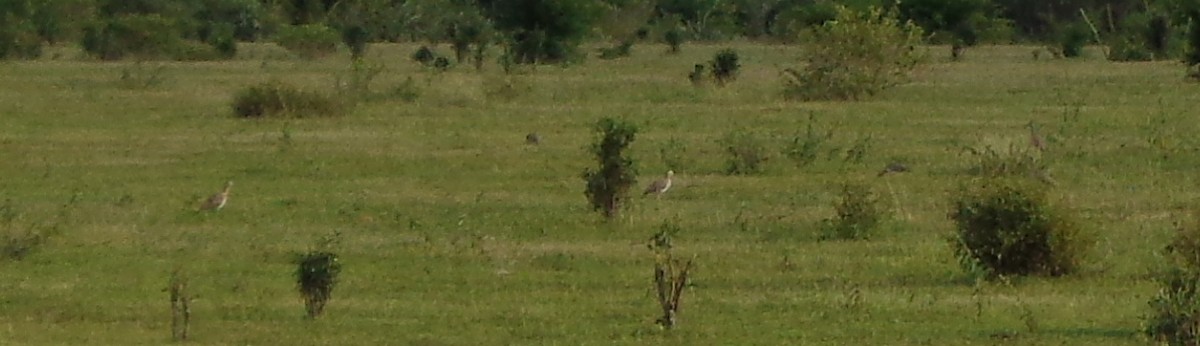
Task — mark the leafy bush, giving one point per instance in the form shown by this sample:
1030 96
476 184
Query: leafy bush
1072 38
316 275
18 39
608 184
856 55
355 37
1193 39
747 153
274 99
1175 311
1008 227
309 41
424 55
858 214
674 39
724 66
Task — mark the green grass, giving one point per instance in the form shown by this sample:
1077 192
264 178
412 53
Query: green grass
454 232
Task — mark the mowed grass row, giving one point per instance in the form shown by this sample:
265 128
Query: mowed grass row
455 232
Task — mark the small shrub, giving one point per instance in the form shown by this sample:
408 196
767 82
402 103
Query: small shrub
408 91
316 276
1192 58
441 63
804 149
858 214
747 153
1008 227
357 85
144 36
1175 311
855 55
355 37
725 66
1072 38
309 41
697 76
674 39
274 99
670 274
18 39
424 56
609 183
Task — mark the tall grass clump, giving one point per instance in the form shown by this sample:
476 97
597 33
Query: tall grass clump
608 184
856 55
316 275
857 214
1006 227
274 99
747 153
1174 317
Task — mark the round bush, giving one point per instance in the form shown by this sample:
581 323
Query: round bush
1008 227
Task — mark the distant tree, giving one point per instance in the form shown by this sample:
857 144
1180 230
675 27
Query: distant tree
543 31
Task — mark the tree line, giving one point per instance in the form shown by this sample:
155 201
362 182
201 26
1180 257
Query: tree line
550 30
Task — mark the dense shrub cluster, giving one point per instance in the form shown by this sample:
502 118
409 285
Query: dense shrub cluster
1009 227
857 214
856 55
309 41
1174 316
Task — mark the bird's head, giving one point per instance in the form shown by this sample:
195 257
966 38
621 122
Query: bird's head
670 173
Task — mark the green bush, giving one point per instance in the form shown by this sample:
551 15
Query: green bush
674 39
1009 227
424 55
355 37
856 55
273 99
1193 39
1175 311
316 275
309 41
609 183
19 40
544 31
858 214
724 66
1072 37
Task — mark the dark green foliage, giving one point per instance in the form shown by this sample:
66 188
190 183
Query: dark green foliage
424 55
857 214
857 55
747 153
309 41
1193 39
1158 34
1175 311
1009 227
19 40
441 63
316 276
674 39
144 36
949 18
544 31
469 28
355 38
608 184
274 99
1072 38
724 66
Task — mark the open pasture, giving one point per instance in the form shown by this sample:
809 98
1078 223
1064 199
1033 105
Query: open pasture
453 231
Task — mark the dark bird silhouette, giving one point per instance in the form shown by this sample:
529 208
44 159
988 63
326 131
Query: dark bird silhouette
533 138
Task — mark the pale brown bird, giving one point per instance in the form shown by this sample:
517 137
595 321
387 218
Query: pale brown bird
217 201
1035 137
658 187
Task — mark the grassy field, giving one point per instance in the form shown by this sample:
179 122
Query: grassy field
452 231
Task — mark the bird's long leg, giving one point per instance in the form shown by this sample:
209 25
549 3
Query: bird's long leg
896 201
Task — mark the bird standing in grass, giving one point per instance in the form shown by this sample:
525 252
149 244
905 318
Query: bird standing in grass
658 187
1035 137
217 201
533 138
